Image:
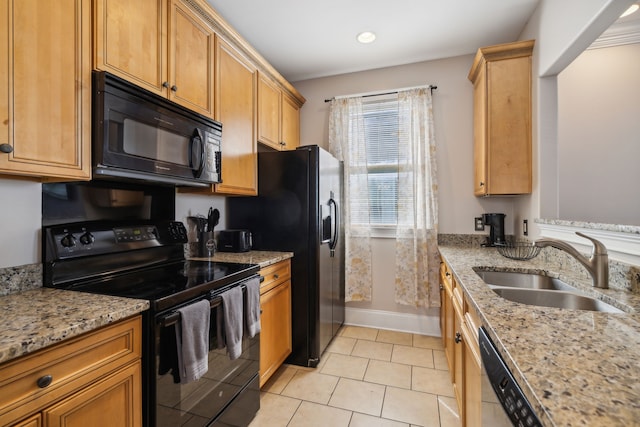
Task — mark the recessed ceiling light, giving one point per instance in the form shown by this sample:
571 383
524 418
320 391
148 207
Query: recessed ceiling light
366 37
632 8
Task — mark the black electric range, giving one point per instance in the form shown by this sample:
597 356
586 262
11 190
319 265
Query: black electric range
145 260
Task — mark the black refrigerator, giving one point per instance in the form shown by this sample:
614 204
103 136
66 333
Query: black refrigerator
298 209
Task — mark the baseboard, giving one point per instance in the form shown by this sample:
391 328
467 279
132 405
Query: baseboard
403 322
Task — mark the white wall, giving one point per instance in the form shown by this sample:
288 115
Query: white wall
562 30
599 136
20 221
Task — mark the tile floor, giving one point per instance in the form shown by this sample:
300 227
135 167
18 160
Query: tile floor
366 378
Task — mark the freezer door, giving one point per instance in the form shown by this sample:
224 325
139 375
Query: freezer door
331 284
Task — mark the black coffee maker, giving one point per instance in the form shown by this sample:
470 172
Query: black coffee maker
496 234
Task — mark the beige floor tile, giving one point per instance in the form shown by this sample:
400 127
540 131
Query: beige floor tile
414 407
412 356
345 366
362 420
359 332
275 410
440 360
358 396
342 345
449 414
431 381
425 341
314 415
388 373
279 379
311 386
395 337
372 350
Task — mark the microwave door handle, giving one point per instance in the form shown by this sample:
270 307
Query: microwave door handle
197 144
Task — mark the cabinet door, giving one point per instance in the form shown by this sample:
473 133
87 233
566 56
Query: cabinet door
480 133
191 59
45 110
236 109
114 401
268 113
472 383
34 421
290 129
275 334
509 124
130 41
458 356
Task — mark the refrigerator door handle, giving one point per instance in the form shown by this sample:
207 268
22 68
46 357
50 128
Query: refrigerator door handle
336 226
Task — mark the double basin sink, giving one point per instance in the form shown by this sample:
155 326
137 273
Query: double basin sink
540 290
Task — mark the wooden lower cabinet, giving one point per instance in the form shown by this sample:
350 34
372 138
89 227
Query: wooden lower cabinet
275 320
93 379
459 324
35 421
110 402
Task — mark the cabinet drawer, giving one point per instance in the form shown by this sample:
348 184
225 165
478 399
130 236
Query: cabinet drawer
275 274
71 365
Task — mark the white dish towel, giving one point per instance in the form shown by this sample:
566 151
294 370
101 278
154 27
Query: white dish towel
192 339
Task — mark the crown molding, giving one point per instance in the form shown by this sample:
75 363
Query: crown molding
618 35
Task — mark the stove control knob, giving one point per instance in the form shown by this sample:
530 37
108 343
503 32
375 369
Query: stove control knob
68 241
87 238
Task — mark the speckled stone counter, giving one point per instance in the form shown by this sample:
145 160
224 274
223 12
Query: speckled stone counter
262 258
36 318
577 368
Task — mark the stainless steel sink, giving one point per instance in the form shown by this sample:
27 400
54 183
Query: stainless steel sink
559 299
540 290
523 280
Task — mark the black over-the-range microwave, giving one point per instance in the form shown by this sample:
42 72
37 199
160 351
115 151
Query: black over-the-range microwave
140 135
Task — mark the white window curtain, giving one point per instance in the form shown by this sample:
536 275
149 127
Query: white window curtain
417 259
347 143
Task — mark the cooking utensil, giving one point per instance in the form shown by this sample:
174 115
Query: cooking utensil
213 217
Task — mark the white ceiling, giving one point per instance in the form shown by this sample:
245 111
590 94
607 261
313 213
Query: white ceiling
306 39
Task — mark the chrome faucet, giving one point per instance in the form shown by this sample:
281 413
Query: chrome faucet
597 265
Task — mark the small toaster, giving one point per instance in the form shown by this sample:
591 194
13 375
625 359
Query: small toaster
234 241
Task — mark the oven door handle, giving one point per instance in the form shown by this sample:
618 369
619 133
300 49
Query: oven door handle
174 316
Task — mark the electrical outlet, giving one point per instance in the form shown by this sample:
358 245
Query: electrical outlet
525 227
479 224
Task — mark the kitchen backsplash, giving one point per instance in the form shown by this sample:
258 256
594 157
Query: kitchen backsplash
20 278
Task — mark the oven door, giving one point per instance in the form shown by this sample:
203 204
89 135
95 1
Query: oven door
503 402
229 391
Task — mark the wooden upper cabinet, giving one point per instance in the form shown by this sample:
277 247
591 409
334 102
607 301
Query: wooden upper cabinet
236 110
501 77
268 112
290 122
45 89
191 59
278 116
131 42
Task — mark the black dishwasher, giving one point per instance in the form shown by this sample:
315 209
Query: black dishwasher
517 410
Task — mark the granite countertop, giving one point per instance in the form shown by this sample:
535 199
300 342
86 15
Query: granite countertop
575 367
37 318
262 258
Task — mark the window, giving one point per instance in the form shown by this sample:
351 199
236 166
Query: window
380 165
